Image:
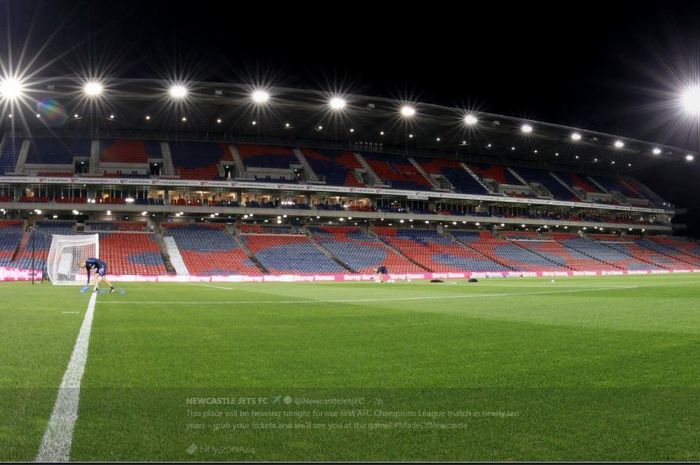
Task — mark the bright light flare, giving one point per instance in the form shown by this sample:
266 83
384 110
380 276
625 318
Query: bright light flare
575 136
178 91
408 111
619 144
690 99
11 88
260 96
470 120
337 103
689 157
93 89
656 151
526 128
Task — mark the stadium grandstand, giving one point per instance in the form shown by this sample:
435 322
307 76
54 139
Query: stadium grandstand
218 192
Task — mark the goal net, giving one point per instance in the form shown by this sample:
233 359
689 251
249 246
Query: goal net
65 255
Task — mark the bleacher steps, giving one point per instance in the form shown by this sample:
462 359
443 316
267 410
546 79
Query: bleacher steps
22 245
308 171
237 161
374 179
168 166
477 178
325 251
595 183
94 157
164 253
174 256
248 252
472 249
397 251
423 173
569 188
517 175
22 157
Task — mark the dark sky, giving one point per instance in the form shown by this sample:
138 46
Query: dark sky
612 66
596 65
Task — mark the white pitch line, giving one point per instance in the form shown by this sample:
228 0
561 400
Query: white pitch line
390 299
58 437
211 285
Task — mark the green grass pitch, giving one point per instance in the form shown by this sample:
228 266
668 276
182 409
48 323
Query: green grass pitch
504 369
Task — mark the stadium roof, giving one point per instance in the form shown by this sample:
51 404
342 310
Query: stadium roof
225 111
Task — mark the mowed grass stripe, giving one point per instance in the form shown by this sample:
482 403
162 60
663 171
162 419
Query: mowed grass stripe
605 374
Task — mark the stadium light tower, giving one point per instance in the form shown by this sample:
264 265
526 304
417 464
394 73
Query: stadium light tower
470 120
337 103
178 91
260 96
690 99
11 88
407 111
93 89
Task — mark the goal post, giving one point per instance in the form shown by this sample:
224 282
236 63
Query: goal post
66 253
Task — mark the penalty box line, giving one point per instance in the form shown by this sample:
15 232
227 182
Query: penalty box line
58 437
388 299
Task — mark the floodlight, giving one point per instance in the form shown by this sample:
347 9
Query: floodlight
93 89
260 96
470 120
689 157
526 128
656 151
11 88
691 100
575 136
619 144
337 103
178 91
407 111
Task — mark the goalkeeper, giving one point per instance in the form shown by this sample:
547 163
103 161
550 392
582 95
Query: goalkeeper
100 268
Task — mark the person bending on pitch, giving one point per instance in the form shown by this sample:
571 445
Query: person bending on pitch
100 268
381 273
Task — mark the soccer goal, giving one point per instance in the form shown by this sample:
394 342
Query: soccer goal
65 255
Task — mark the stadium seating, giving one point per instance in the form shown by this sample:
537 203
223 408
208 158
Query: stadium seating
575 180
262 156
569 258
128 151
606 254
634 247
10 236
680 247
9 154
199 160
336 166
294 254
131 253
52 151
615 185
557 189
498 173
362 251
436 252
106 226
506 252
207 249
460 179
37 247
396 171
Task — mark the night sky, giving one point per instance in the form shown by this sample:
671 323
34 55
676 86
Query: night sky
613 66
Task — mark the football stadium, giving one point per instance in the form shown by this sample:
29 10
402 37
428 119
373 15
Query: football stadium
196 270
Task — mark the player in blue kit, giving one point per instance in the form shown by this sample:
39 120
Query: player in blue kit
100 268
